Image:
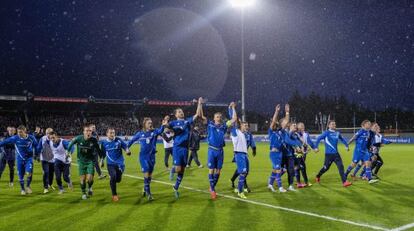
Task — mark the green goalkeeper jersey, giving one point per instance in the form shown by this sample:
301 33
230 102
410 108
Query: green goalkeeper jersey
86 149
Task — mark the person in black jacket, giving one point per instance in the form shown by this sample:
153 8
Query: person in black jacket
167 139
9 157
194 146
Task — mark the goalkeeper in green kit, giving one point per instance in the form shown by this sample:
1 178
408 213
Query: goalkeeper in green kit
87 148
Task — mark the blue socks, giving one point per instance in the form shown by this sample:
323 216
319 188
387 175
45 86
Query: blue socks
242 178
358 167
178 181
29 181
216 177
348 170
212 184
21 181
272 178
147 181
279 179
368 173
363 171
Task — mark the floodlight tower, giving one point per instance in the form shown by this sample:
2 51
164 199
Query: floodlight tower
242 5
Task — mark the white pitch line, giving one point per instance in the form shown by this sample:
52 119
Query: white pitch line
277 207
270 206
404 227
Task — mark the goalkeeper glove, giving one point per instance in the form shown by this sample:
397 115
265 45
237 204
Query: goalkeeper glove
299 155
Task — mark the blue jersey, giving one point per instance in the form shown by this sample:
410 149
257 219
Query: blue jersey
362 140
275 139
181 130
113 150
147 140
250 140
215 134
371 139
307 140
288 143
25 147
331 138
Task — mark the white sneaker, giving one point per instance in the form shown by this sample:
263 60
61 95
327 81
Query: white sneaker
23 192
282 190
373 181
102 176
201 166
84 197
241 195
61 191
236 190
45 191
291 188
187 166
11 185
270 187
29 190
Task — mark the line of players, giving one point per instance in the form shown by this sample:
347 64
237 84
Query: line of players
289 145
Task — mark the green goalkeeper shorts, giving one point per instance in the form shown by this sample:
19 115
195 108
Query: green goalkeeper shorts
86 167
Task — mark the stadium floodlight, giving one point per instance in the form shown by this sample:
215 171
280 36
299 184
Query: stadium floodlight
241 3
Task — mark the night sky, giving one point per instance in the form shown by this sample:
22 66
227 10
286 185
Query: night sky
179 50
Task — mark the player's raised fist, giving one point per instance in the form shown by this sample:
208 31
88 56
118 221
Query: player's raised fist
277 108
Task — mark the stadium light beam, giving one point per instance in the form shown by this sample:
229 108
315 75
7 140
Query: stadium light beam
242 5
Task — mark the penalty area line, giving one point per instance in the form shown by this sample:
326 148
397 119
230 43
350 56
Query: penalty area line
275 206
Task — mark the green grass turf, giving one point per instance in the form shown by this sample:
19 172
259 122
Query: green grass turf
388 204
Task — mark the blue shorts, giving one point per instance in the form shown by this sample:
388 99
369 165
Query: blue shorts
242 162
147 163
215 158
24 166
276 158
180 156
361 156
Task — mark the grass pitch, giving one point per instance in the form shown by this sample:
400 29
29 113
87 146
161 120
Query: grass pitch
325 206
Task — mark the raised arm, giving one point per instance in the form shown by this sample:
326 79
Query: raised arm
274 118
160 130
202 115
287 112
232 114
199 111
